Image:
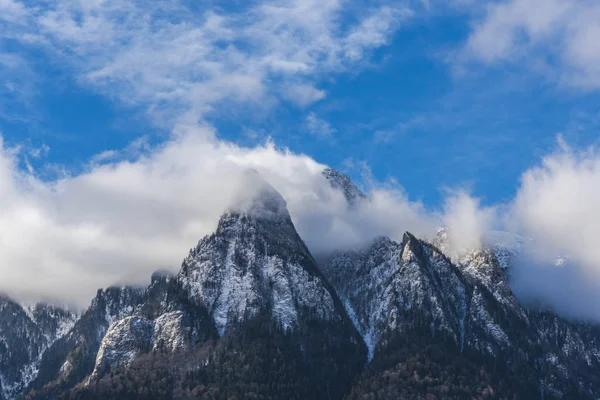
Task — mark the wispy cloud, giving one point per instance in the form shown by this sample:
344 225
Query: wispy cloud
319 127
183 63
11 10
557 38
142 206
303 95
131 211
122 219
18 86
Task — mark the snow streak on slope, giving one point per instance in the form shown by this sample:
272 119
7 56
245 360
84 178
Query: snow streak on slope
342 182
254 261
389 284
25 334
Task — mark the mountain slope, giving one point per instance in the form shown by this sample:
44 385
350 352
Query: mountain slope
25 334
392 287
255 260
419 310
249 299
343 183
93 347
256 271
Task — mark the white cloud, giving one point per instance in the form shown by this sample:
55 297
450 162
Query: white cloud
121 220
558 204
139 209
535 31
557 207
176 59
466 222
556 215
303 95
319 127
374 31
11 10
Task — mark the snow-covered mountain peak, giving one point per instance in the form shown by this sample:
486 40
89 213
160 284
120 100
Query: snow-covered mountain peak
256 262
259 199
504 245
340 181
384 285
410 246
25 333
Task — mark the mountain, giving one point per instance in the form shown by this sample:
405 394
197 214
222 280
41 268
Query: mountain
343 183
250 314
25 334
400 287
256 271
456 330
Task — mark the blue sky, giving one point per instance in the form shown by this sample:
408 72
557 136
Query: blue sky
412 108
124 126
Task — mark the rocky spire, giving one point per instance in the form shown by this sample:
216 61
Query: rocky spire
340 181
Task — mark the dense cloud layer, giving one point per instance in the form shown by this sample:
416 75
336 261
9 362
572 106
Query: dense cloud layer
558 208
555 38
120 221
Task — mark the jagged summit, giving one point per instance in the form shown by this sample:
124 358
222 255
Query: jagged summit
259 199
408 239
387 283
256 261
340 181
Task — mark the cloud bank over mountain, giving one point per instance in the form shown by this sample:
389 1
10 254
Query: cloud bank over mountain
135 210
130 212
119 221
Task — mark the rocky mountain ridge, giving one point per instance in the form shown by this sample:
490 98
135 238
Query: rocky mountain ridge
25 334
253 271
251 314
